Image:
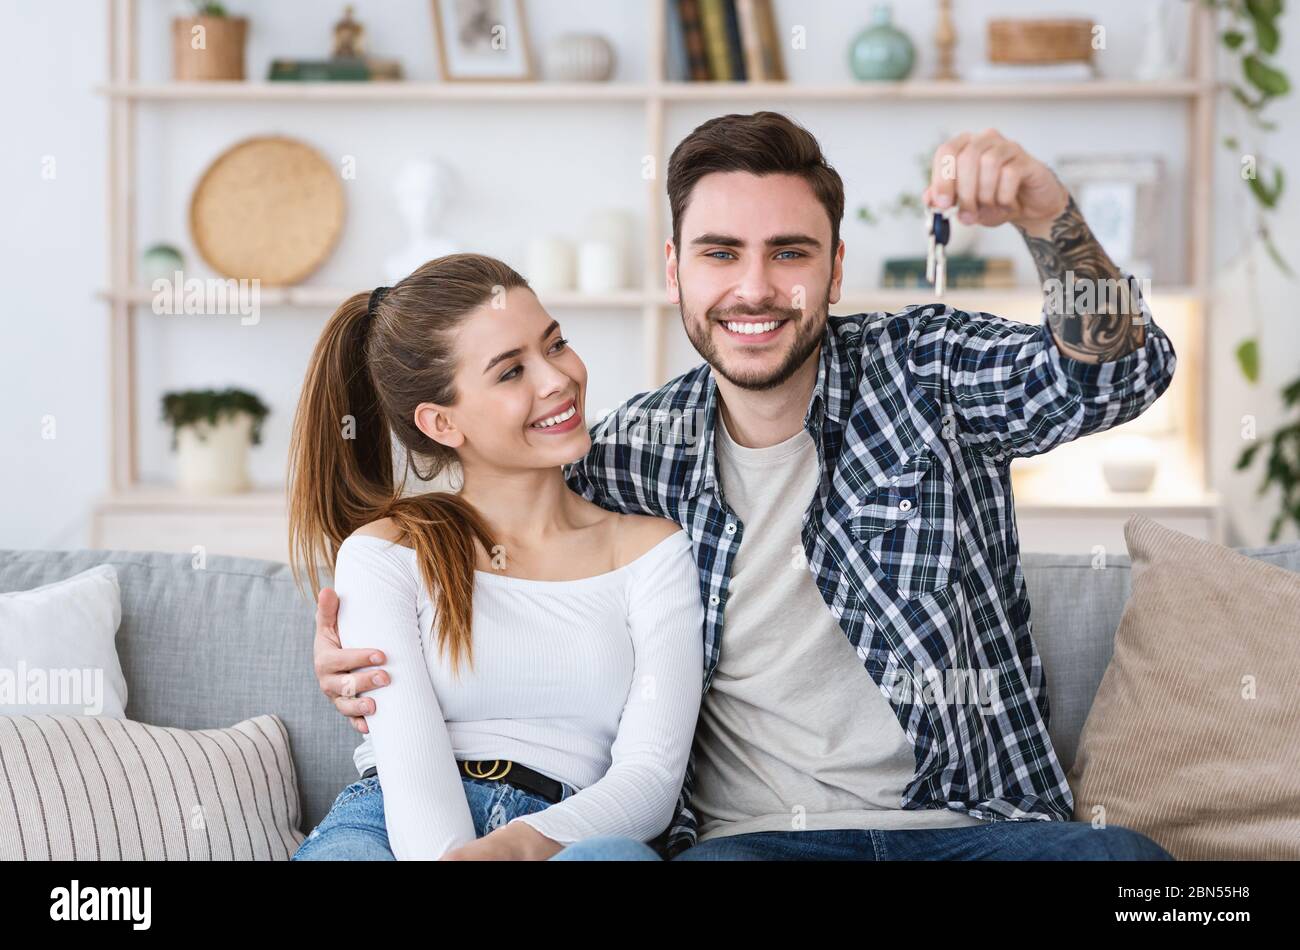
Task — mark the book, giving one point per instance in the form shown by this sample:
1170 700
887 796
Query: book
677 67
962 272
774 65
332 70
713 18
693 39
750 40
735 50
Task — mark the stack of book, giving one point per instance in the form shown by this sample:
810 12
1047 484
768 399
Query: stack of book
338 69
723 40
962 272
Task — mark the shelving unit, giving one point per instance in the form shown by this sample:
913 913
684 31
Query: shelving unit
130 503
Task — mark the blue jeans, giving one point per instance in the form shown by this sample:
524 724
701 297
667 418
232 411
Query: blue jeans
354 828
991 841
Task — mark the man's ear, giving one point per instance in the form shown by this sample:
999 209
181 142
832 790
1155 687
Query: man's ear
837 274
435 422
670 272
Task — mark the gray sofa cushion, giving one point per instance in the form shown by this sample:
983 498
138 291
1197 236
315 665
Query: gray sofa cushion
208 648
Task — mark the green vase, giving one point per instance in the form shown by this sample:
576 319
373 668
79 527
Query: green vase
881 51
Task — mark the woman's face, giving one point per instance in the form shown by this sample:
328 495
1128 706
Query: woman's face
515 375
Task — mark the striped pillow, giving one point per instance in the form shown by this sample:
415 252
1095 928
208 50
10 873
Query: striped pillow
90 788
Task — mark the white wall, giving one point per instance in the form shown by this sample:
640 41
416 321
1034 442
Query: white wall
526 170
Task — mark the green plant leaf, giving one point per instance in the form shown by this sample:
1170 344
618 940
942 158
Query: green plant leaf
1239 94
1264 9
1266 36
1233 38
1248 359
1247 455
1291 394
1267 79
1275 254
1267 196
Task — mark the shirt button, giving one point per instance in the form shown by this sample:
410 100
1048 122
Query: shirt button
714 600
731 527
905 505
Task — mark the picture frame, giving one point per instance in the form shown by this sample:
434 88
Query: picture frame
1120 196
482 41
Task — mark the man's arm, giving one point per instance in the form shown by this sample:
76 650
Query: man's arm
1095 361
1091 326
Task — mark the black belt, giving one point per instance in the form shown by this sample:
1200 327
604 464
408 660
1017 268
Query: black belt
497 770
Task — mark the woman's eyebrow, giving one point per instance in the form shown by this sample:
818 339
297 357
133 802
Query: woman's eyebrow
511 354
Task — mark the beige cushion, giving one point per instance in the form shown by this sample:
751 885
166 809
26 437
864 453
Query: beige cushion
88 788
1194 736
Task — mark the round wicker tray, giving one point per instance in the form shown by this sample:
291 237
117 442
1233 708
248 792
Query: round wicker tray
269 208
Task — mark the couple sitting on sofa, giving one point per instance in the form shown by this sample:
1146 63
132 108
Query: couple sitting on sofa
832 493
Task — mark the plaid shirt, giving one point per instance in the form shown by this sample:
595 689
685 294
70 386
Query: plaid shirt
911 534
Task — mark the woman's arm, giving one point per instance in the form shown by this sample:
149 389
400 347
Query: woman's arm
636 797
425 808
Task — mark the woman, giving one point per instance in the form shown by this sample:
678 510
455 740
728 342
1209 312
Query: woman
569 712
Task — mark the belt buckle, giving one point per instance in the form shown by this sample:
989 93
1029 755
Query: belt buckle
492 773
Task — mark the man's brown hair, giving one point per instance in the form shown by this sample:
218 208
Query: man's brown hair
763 143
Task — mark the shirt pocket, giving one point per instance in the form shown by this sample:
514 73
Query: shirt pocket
905 527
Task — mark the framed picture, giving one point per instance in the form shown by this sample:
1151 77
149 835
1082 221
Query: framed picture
1120 196
481 40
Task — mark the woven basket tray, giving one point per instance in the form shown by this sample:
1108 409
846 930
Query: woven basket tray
269 208
1040 41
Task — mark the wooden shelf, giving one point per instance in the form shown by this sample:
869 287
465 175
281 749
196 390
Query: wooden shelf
328 298
399 91
164 497
856 300
923 89
403 91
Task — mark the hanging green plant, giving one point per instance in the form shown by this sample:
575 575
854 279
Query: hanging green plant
1253 37
1282 465
187 407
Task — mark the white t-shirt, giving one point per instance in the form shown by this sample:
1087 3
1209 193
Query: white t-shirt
595 682
793 734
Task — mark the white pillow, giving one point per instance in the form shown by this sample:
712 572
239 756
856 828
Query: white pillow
57 651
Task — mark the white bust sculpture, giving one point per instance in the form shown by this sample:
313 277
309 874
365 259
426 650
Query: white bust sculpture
422 189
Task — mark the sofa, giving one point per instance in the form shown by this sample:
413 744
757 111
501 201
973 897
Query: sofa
206 648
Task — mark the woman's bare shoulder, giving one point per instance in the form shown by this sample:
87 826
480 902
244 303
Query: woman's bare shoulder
384 528
637 534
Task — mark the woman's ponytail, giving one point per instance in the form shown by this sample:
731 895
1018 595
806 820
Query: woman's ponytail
341 451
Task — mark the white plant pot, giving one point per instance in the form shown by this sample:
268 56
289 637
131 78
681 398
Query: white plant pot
213 459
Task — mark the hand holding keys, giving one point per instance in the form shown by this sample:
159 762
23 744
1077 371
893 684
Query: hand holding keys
936 266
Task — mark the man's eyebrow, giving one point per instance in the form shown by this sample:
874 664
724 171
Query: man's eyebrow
511 354
776 240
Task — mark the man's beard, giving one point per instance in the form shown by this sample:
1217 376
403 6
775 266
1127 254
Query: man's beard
808 327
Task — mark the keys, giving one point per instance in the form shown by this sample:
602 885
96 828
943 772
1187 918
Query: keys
936 255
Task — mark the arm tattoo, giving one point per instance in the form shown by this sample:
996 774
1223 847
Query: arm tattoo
1090 307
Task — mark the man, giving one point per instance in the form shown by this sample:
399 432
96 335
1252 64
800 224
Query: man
864 463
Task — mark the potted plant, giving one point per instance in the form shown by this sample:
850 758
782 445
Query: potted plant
211 432
208 45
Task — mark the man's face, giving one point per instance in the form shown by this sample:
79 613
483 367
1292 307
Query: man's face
754 275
